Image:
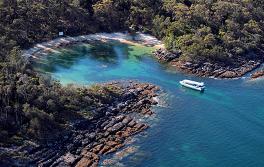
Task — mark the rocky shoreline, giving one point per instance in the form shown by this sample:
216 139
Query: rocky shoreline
207 69
258 74
88 140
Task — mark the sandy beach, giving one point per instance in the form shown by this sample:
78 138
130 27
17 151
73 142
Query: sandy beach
50 46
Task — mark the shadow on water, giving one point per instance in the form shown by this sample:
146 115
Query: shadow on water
99 52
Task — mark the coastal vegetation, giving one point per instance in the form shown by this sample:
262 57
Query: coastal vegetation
30 102
217 30
36 106
214 30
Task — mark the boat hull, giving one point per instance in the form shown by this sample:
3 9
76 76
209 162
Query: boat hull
201 89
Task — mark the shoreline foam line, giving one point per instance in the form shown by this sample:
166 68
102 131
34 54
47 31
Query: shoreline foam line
137 39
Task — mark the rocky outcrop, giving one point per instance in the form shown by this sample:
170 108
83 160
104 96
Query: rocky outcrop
216 70
102 135
166 56
258 74
208 69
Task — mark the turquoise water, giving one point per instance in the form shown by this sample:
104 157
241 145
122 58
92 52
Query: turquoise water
222 127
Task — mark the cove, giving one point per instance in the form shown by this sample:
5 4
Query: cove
222 127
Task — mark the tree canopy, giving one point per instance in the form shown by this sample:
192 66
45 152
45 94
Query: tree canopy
211 30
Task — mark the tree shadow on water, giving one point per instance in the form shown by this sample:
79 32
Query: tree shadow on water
100 52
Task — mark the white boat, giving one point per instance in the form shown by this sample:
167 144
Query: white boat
193 85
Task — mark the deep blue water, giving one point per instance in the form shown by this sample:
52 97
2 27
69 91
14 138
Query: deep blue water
224 126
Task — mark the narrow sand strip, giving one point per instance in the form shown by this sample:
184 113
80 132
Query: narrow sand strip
50 46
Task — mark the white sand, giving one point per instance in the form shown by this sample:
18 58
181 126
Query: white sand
50 46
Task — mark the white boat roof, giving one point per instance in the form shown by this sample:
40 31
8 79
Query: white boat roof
193 82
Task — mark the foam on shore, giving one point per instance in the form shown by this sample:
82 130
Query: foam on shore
137 39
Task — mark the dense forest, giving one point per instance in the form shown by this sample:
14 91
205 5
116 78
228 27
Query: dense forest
31 104
202 30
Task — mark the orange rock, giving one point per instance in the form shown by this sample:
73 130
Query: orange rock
105 149
119 133
257 74
115 148
97 148
84 162
127 132
111 143
88 160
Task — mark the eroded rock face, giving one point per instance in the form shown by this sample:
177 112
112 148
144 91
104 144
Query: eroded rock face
228 74
165 56
208 69
84 146
216 70
89 159
258 74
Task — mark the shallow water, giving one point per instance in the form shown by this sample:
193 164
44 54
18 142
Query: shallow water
224 126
